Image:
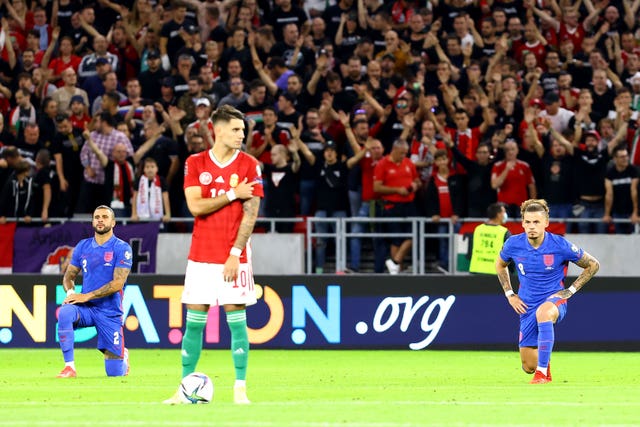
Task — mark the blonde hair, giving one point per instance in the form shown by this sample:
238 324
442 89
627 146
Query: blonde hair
534 205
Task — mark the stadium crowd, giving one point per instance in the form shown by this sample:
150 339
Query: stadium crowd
435 108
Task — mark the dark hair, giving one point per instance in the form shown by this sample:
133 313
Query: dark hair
45 102
149 160
10 152
61 117
270 108
107 118
226 113
21 167
618 149
43 156
494 210
440 153
332 76
256 84
113 96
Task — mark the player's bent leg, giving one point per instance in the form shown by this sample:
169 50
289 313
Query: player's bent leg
529 359
546 316
114 365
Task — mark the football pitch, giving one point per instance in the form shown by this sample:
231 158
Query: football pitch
325 388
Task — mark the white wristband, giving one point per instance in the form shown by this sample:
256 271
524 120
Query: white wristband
509 293
231 195
70 291
572 289
235 251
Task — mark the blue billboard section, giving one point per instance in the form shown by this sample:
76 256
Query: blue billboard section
333 312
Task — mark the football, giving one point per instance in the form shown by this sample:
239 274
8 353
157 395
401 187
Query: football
196 388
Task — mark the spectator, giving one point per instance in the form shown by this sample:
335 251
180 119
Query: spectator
78 112
46 121
68 90
105 136
110 86
255 104
396 180
151 78
45 197
66 147
513 180
150 195
368 157
65 59
556 170
590 169
88 65
288 116
267 135
285 13
29 143
314 138
280 177
332 199
125 52
444 201
621 192
23 114
171 35
558 116
187 102
16 198
479 192
237 95
181 78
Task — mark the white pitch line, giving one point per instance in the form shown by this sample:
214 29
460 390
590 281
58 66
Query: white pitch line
350 403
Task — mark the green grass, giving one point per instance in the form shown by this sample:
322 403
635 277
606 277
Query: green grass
325 388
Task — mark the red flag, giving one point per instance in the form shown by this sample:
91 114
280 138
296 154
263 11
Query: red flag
7 232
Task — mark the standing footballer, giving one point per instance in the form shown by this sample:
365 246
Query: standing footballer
222 187
105 262
541 259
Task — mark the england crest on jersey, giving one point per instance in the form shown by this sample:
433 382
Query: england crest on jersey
548 261
108 256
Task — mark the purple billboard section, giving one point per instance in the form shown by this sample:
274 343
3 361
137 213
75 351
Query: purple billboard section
45 249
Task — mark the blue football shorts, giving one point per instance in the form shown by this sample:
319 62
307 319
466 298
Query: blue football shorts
529 323
109 328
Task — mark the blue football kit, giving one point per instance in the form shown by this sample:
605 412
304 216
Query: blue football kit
97 263
541 272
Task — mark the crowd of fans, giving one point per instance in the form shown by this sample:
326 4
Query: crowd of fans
435 108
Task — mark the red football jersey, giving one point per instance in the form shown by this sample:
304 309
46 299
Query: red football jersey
214 234
514 190
396 175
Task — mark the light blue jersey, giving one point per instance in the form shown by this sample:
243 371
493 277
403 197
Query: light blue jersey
97 264
541 271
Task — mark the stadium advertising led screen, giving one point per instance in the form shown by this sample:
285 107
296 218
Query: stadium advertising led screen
330 312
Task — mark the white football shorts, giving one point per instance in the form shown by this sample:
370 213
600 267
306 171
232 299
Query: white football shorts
204 284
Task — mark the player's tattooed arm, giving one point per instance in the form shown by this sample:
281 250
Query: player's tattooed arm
590 267
68 281
250 209
119 279
502 270
503 275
